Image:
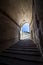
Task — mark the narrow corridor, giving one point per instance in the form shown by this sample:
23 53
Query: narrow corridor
24 52
13 49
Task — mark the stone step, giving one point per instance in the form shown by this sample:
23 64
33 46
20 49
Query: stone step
22 52
9 61
22 57
29 50
24 47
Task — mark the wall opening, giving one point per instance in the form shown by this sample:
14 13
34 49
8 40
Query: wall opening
25 32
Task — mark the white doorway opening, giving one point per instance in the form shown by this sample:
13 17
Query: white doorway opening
25 32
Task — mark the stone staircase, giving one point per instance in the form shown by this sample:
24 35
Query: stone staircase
21 56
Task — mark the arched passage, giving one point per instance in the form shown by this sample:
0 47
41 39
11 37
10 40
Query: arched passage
25 31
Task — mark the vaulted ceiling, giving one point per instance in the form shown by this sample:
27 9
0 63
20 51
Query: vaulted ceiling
19 10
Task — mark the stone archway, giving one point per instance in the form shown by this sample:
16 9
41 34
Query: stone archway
25 31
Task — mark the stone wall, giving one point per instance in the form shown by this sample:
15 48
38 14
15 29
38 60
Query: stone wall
37 21
39 12
37 26
9 32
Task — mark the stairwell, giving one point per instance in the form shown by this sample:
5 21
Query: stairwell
24 52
